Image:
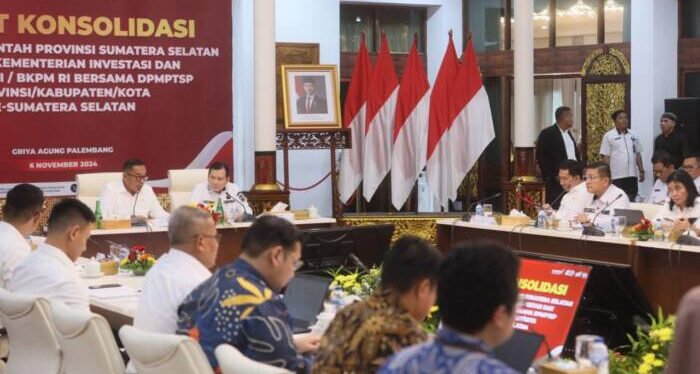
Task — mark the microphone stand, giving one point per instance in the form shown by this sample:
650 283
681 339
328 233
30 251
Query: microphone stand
592 230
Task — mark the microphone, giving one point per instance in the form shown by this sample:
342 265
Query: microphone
557 199
591 230
467 215
137 221
241 199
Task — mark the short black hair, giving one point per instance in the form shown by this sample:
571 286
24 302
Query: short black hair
603 169
574 167
218 166
23 201
269 231
69 212
662 157
410 260
617 113
130 163
681 176
694 156
475 279
560 112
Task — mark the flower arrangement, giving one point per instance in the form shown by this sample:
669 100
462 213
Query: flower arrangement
648 351
642 231
138 261
210 208
364 284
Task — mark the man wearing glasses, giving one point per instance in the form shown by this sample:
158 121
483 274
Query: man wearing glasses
131 197
692 166
605 196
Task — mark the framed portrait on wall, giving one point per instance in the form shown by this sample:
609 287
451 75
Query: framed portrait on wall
311 99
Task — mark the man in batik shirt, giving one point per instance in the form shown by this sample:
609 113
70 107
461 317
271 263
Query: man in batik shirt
240 304
364 334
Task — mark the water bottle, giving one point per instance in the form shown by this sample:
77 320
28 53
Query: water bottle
479 210
598 354
98 215
541 219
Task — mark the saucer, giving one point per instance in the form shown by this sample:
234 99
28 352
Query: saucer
84 275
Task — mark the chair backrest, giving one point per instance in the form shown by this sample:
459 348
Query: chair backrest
156 353
86 341
649 210
232 361
33 344
182 182
90 186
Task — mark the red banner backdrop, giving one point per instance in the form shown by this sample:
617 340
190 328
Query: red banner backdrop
86 84
550 292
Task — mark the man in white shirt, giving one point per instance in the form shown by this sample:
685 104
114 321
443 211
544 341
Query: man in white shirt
663 168
577 196
50 270
131 197
194 244
218 187
691 165
21 214
605 196
622 150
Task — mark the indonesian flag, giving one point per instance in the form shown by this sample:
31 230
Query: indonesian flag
410 129
439 116
470 130
379 127
354 118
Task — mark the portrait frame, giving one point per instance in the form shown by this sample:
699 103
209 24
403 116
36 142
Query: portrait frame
311 97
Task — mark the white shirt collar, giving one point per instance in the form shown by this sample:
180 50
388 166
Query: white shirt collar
12 229
54 252
562 130
186 258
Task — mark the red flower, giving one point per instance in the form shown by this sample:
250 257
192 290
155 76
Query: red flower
132 256
138 248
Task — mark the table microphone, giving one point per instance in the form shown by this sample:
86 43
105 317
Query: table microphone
557 199
240 198
466 215
591 230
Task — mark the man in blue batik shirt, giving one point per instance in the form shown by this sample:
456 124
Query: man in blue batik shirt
240 304
477 293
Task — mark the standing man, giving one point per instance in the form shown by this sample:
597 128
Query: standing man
622 150
310 102
691 165
21 214
554 145
217 188
50 270
671 140
131 197
663 168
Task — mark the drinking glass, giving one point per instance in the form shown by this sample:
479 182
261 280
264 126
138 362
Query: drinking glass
619 223
488 210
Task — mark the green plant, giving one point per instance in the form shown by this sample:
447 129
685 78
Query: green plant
648 350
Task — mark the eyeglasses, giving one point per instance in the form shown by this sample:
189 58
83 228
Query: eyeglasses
689 167
138 177
591 177
217 237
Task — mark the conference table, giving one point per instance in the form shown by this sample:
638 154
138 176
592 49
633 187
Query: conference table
665 271
155 239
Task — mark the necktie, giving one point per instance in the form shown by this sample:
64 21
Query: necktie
308 104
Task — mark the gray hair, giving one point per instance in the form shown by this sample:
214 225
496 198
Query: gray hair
185 223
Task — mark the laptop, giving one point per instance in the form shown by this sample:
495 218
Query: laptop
304 300
633 216
519 352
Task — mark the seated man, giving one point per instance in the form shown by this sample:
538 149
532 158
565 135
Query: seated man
218 188
131 197
50 270
21 214
477 295
241 305
194 244
576 197
691 165
663 167
605 198
364 334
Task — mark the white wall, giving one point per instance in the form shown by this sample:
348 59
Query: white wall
318 21
654 50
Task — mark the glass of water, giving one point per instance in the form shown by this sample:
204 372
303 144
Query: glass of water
618 224
488 210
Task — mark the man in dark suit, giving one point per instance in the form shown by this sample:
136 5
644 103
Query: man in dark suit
310 102
554 145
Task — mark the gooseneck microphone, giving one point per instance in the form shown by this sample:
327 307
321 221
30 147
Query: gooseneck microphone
469 209
558 197
241 199
592 230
